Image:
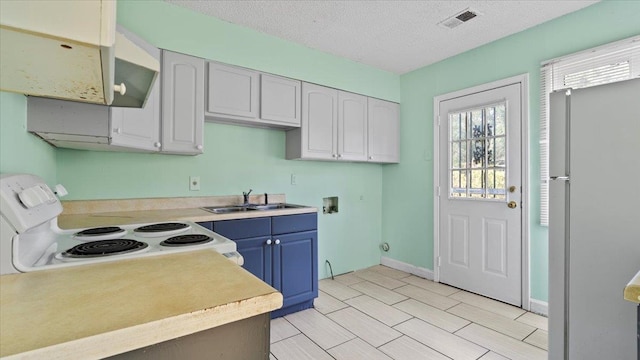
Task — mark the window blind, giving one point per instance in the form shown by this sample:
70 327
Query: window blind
605 64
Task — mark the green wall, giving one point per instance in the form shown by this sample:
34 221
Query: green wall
409 185
239 158
374 199
21 152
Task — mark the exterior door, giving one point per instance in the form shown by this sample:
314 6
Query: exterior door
480 185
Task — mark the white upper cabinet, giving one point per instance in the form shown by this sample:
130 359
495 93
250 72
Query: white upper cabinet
318 134
343 126
280 100
334 126
80 125
182 103
352 126
73 52
242 96
133 127
232 92
384 131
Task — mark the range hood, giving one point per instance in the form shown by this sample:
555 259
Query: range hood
70 50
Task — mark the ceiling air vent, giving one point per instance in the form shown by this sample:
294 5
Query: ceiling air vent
459 18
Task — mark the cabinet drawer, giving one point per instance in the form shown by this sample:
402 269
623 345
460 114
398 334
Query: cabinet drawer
207 225
243 228
294 223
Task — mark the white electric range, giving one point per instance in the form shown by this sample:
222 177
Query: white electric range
31 240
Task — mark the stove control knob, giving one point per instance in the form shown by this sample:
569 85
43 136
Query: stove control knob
277 241
36 196
269 242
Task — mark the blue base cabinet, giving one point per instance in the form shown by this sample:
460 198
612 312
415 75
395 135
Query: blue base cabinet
282 251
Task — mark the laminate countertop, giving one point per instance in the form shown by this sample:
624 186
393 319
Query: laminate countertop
100 310
632 290
93 213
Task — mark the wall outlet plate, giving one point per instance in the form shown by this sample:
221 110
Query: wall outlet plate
194 183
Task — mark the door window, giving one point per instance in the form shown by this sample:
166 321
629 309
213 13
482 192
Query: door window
477 142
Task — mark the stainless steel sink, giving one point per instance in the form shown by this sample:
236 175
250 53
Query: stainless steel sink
274 206
226 209
250 207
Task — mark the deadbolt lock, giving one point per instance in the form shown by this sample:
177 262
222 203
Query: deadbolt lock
512 188
512 204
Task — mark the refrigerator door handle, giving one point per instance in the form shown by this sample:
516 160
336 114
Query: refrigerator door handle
561 178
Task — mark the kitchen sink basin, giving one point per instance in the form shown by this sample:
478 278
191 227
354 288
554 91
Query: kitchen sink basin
250 207
226 209
274 206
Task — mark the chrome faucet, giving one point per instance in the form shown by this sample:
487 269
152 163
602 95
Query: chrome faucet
246 196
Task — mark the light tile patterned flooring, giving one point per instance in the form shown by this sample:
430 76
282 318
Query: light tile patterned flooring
383 313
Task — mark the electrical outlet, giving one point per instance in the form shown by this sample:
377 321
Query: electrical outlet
194 183
294 179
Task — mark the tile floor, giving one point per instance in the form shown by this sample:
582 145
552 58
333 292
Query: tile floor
383 313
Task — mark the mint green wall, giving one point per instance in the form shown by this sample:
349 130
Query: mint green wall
172 27
238 158
409 185
373 199
21 152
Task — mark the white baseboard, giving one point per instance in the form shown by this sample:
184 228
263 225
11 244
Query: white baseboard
402 266
539 307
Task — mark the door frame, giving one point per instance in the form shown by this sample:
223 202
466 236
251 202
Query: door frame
523 80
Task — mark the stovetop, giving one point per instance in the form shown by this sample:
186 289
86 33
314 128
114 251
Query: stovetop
74 247
30 238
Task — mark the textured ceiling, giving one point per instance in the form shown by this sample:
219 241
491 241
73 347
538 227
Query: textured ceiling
397 36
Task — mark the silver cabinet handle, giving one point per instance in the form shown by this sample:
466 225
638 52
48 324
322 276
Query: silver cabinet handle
334 155
339 155
370 157
269 242
199 147
117 131
277 241
157 144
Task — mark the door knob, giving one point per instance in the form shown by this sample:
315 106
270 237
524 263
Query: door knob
277 241
269 242
512 204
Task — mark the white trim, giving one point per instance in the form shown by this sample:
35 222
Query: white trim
402 266
539 307
522 79
591 51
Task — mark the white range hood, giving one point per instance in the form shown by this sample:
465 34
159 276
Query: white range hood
69 49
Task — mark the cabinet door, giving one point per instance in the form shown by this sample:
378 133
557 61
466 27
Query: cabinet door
182 103
384 131
232 92
133 127
280 100
257 254
352 126
295 266
319 122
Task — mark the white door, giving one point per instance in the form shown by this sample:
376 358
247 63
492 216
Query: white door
480 193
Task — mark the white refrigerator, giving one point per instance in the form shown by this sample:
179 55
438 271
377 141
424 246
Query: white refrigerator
594 221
